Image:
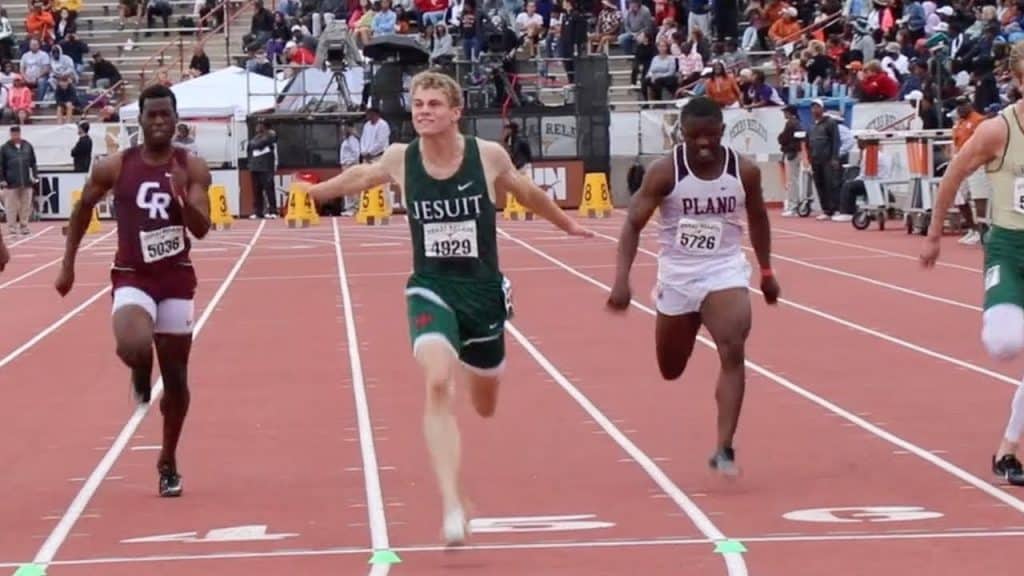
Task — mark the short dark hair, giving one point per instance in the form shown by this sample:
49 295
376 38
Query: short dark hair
701 107
155 92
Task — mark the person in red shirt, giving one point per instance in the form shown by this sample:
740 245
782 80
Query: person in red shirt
977 186
876 85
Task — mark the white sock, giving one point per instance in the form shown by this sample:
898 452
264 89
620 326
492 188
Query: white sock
1015 427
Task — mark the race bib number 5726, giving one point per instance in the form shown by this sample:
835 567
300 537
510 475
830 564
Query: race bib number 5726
161 243
450 239
700 236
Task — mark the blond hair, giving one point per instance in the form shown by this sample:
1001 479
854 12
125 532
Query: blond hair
447 85
1017 59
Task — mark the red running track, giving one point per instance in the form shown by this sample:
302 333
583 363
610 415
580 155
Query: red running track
854 402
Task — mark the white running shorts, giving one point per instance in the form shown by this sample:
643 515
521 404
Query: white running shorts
171 316
677 298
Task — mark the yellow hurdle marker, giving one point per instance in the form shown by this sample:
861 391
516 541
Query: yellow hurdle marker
597 200
301 211
374 208
514 210
220 214
94 222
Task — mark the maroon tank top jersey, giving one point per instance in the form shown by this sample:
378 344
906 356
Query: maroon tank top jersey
152 242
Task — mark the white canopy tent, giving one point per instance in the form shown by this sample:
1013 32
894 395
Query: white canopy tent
227 93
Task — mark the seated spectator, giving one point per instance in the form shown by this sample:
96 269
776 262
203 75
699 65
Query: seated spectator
73 7
66 96
691 63
6 37
721 86
876 85
35 69
75 49
104 73
786 29
63 26
636 20
441 45
39 23
664 10
261 27
20 100
385 21
665 32
663 74
364 27
432 11
643 52
760 94
200 63
259 63
530 28
158 9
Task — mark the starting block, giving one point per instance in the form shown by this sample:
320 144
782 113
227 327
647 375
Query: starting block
514 210
301 211
374 207
596 201
220 214
94 222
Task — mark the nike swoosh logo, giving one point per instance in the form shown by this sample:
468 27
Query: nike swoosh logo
464 186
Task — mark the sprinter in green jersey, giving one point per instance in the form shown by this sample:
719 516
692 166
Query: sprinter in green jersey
998 145
457 298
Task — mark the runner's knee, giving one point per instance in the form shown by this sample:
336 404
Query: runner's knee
436 356
1003 330
731 349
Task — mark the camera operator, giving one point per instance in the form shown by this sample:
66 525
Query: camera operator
573 39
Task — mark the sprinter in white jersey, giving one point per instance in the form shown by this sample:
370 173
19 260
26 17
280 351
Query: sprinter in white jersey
706 193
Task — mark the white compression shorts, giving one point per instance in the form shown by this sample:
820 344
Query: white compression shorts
674 298
171 316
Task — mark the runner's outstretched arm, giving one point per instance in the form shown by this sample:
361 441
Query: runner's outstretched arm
102 179
194 182
528 194
760 227
985 145
657 183
359 178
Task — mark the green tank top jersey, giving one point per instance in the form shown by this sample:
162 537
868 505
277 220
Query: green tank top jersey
452 221
1007 175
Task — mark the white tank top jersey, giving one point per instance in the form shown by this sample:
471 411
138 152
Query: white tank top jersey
702 221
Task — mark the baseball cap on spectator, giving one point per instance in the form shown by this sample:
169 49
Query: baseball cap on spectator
818 102
945 11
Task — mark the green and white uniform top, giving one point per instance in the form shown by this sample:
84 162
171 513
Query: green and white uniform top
1007 175
452 221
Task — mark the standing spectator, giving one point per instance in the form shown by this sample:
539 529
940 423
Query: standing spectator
6 37
18 171
790 146
262 164
81 154
823 145
518 149
375 139
349 157
699 17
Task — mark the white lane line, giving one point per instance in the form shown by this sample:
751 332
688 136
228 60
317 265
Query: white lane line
734 562
60 532
42 267
926 455
374 495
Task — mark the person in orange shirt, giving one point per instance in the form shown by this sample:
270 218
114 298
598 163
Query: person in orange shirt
40 22
786 29
977 186
722 86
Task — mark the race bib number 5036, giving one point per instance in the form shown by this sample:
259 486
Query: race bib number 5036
450 239
161 243
700 236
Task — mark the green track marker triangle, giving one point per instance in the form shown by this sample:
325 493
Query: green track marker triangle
729 546
384 557
31 570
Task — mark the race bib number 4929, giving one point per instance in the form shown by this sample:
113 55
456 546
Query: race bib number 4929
450 239
161 243
700 236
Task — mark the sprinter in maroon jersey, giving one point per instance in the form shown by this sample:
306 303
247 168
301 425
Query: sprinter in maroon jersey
159 191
